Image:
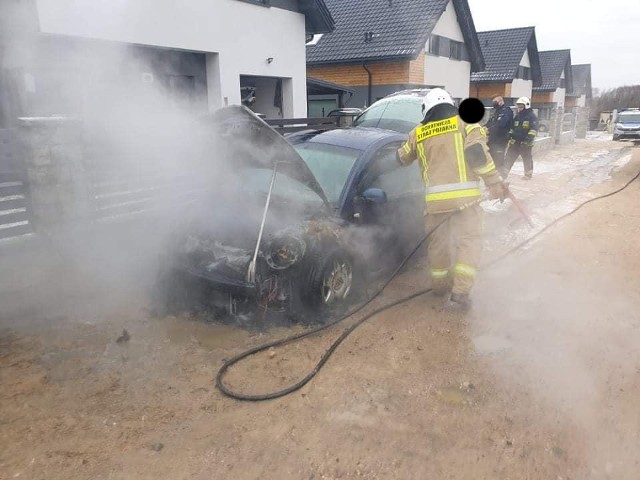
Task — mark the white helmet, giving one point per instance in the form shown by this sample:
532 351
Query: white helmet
524 101
437 96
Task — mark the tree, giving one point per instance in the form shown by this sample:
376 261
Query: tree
616 99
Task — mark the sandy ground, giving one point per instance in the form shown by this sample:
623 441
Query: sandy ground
540 381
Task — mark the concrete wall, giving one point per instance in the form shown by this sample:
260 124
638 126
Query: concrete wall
454 75
208 26
521 88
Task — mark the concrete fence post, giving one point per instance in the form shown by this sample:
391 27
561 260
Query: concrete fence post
52 151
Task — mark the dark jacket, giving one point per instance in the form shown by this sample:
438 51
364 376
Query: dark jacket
499 125
525 127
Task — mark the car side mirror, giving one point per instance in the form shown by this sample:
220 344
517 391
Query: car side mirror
375 196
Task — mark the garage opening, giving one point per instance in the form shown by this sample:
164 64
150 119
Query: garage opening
269 97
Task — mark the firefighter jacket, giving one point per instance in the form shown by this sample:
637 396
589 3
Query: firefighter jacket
453 157
500 125
525 128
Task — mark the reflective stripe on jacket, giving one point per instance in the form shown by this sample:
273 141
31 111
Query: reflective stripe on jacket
440 147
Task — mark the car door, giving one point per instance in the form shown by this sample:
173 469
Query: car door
396 225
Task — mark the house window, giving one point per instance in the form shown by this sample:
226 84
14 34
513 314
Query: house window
455 50
563 83
524 73
434 45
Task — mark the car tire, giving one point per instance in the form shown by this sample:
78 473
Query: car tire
330 283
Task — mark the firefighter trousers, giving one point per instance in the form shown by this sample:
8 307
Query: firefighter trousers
454 249
518 150
497 151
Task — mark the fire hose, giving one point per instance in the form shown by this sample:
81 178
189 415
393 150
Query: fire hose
332 348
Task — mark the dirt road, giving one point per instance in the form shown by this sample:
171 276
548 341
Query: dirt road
540 381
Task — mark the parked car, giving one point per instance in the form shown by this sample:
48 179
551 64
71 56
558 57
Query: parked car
627 125
339 210
400 111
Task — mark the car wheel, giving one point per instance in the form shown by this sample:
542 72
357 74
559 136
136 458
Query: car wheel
330 282
616 138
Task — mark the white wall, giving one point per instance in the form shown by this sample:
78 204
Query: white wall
454 75
241 34
582 101
525 62
521 88
448 25
559 94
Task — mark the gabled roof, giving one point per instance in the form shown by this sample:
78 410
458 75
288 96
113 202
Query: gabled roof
552 63
397 29
581 80
318 19
503 50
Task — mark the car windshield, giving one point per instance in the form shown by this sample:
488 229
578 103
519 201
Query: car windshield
330 164
629 118
400 114
258 180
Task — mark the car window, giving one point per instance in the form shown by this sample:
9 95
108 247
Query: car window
371 116
330 164
388 175
259 179
398 114
629 118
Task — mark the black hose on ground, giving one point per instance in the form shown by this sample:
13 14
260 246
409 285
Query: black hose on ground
325 357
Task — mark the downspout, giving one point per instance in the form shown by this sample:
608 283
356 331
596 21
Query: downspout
364 65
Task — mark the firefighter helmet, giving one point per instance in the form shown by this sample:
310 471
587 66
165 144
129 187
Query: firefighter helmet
437 96
524 101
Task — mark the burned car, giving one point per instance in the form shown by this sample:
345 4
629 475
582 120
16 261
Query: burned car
294 226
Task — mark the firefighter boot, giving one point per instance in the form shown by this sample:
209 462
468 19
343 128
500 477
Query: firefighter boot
458 303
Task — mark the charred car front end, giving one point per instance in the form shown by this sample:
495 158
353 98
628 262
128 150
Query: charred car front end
264 240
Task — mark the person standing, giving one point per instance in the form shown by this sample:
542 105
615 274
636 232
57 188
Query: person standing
453 156
521 138
499 125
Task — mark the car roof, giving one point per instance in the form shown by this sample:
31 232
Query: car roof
359 138
411 92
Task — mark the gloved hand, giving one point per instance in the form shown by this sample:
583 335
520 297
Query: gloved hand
512 141
498 191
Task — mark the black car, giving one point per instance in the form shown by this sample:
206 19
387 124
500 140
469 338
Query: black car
294 226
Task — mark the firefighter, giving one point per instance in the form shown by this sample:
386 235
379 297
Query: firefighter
522 136
453 156
499 126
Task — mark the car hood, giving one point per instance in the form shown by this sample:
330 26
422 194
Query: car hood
247 139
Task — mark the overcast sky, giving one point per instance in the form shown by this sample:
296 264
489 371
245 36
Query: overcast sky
604 34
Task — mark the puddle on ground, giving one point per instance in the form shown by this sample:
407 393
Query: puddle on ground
455 396
209 336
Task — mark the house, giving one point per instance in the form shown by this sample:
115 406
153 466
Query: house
582 92
557 80
382 46
512 65
549 98
60 54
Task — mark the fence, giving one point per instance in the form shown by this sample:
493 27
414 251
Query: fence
15 208
53 178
